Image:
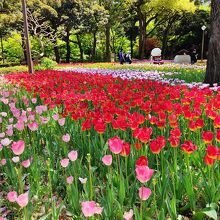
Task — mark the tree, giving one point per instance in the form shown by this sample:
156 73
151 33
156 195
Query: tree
213 65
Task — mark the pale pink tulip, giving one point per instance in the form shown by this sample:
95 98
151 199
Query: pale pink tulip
22 200
11 120
73 155
83 180
3 162
128 215
107 160
33 126
61 121
4 114
115 145
2 135
144 193
90 208
2 218
18 147
143 173
5 141
12 196
69 179
64 162
66 138
26 163
15 159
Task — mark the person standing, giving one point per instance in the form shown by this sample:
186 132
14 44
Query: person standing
121 56
194 57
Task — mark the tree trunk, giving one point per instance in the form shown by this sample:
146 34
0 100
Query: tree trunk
164 43
213 64
107 42
23 47
142 37
2 47
80 47
131 44
68 52
56 52
94 46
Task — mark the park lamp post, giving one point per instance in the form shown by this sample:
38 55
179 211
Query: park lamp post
203 38
27 43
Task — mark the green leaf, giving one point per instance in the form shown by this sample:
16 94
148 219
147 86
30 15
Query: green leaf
211 214
45 216
161 215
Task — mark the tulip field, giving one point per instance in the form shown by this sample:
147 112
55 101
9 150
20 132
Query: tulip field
108 143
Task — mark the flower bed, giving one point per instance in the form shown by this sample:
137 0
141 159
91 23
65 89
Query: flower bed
80 145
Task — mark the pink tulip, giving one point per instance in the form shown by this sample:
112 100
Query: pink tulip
69 179
55 117
61 121
90 208
64 162
5 141
73 155
143 173
144 193
12 196
44 120
34 100
9 132
128 215
19 125
3 162
115 145
33 126
83 180
26 163
22 200
18 147
107 160
2 218
66 138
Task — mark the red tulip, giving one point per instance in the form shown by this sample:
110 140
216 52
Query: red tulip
218 135
157 144
207 136
174 141
217 122
209 161
188 147
142 161
126 149
212 152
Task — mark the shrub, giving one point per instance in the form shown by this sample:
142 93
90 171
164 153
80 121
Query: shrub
47 63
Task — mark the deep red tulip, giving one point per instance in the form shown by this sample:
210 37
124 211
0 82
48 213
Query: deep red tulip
126 149
142 161
174 141
218 135
157 144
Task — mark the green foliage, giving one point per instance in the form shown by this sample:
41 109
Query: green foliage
47 63
5 70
